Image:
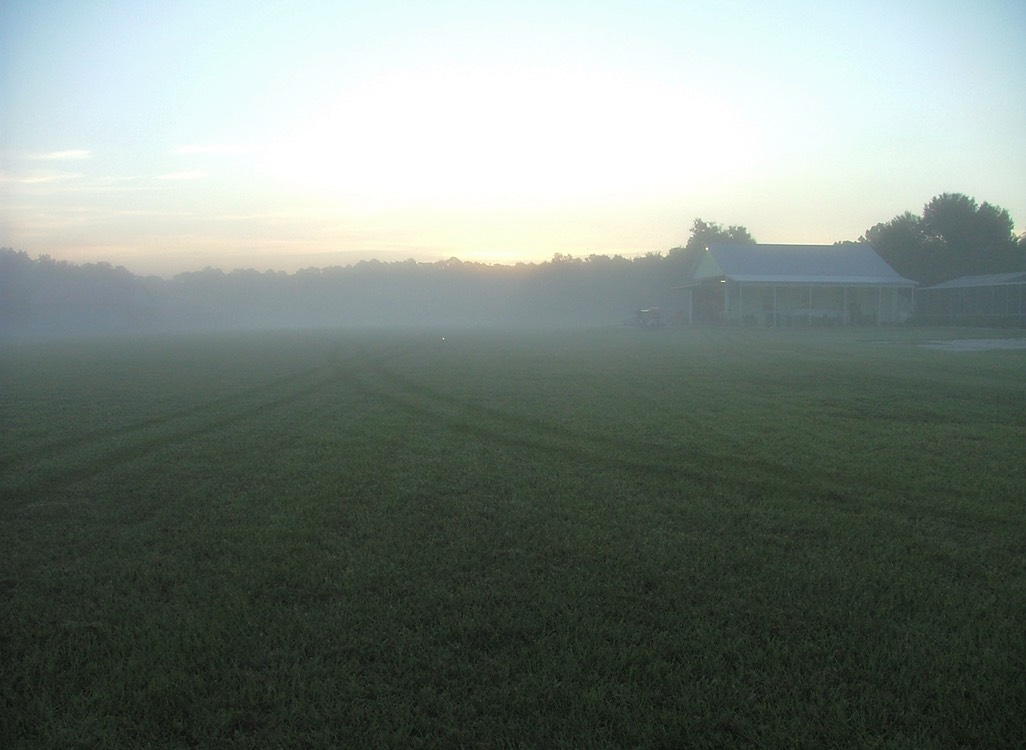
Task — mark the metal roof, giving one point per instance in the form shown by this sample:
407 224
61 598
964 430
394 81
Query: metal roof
991 279
846 265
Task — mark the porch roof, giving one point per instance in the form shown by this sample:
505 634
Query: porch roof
991 279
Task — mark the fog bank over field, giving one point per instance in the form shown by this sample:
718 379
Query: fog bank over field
43 295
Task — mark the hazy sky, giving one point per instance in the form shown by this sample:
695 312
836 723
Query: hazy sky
167 136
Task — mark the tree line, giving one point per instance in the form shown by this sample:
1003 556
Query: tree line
48 295
954 236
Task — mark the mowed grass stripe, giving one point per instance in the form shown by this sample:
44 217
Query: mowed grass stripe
50 466
54 449
84 459
712 440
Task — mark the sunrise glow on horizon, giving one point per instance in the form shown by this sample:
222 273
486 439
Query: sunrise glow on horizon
285 136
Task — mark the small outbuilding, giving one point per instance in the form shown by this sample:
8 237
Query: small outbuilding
791 285
993 299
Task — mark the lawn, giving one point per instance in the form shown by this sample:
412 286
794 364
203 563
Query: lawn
601 538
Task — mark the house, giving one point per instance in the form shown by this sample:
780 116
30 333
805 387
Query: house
789 285
994 299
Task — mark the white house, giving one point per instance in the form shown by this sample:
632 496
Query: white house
788 285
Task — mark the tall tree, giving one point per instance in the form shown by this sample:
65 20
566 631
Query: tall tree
954 237
973 239
704 233
900 242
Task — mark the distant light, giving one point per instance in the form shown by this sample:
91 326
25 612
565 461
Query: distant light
723 281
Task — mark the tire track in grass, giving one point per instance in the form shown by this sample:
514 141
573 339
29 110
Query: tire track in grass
535 434
748 474
53 448
152 435
485 421
113 456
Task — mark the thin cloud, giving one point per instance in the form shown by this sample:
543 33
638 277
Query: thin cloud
74 154
67 183
40 178
230 149
194 174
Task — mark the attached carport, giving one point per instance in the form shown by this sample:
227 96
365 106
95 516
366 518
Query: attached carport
992 299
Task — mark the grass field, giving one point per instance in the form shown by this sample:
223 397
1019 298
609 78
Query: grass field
717 538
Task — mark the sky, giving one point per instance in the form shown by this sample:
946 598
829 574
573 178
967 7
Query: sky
171 136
